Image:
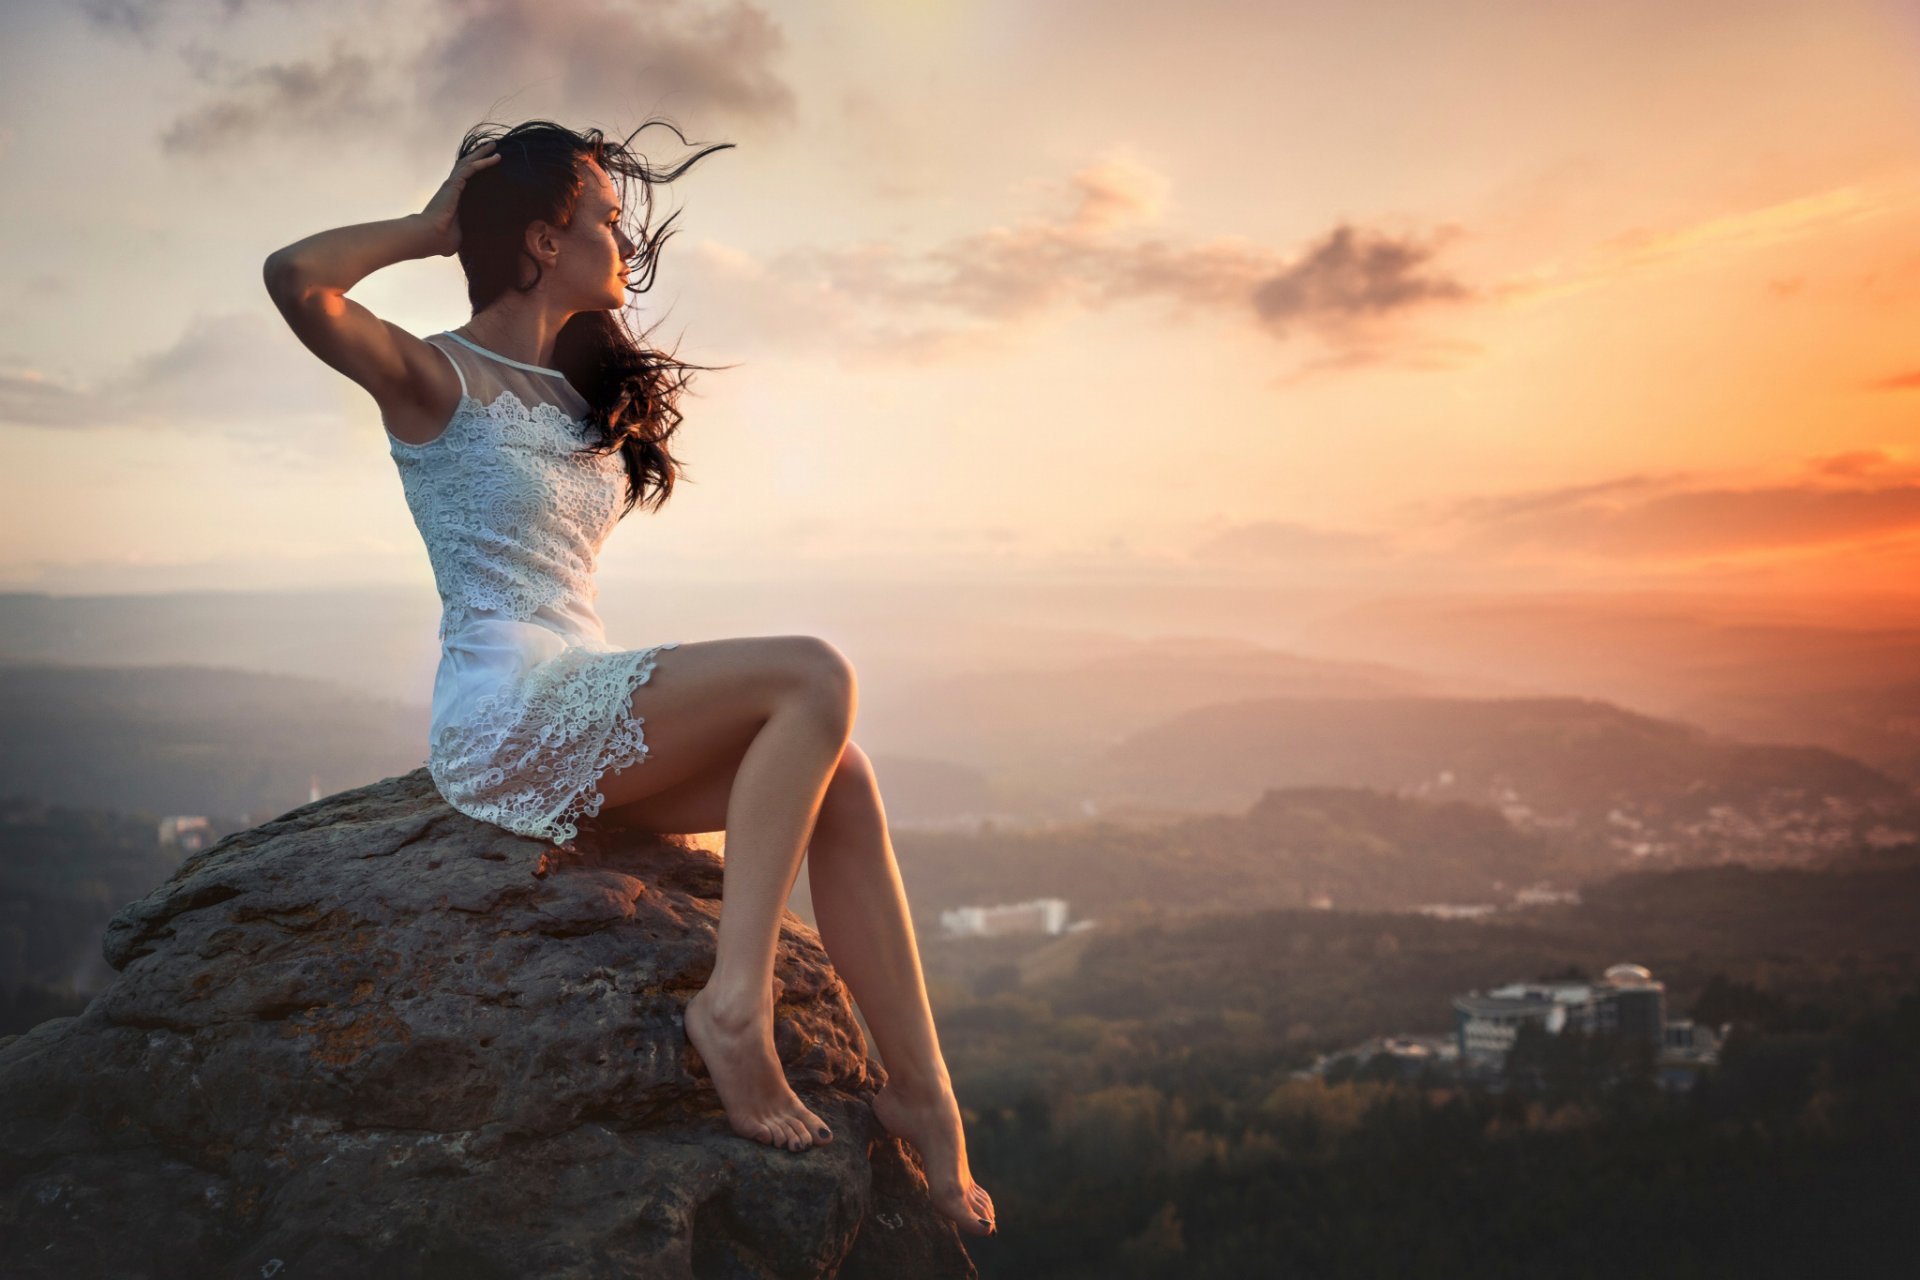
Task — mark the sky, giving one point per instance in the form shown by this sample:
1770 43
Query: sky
1451 296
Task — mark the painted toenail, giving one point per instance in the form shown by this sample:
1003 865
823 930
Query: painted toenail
822 1133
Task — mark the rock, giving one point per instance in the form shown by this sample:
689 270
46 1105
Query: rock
375 1037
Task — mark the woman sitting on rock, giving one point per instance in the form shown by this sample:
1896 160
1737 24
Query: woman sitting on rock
522 438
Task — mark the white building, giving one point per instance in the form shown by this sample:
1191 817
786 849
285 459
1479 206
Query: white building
1041 915
188 833
1627 999
1456 910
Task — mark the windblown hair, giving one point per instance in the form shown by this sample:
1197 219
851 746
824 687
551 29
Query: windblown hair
631 388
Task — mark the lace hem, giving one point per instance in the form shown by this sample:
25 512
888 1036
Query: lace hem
530 758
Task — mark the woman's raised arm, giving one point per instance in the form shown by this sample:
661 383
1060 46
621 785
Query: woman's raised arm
308 281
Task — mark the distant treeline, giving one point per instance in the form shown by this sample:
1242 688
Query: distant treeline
64 872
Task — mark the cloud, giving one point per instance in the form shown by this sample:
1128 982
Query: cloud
1352 274
137 18
1898 382
29 398
1745 229
584 59
691 58
1860 462
1678 525
976 289
1116 194
1495 508
141 19
1644 250
277 99
240 375
1861 496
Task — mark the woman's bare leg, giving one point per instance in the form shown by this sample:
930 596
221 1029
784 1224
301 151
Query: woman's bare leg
861 906
770 811
765 718
703 717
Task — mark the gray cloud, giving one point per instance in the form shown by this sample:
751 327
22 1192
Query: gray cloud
1494 508
585 59
683 58
241 375
277 99
37 402
1352 273
142 19
1097 255
136 18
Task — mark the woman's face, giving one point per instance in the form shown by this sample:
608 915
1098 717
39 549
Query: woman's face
592 265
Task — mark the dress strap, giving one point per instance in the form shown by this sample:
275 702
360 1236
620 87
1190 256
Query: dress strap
477 349
458 371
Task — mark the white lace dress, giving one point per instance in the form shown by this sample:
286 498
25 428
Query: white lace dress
531 704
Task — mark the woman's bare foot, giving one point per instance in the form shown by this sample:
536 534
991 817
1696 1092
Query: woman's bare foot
738 1051
931 1122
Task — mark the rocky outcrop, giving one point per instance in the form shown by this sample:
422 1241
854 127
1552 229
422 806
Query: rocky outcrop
375 1037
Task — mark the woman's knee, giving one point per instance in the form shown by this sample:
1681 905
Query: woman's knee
824 677
852 791
855 770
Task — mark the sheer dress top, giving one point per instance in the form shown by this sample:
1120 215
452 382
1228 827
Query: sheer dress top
512 508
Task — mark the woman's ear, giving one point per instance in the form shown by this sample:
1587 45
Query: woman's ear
543 242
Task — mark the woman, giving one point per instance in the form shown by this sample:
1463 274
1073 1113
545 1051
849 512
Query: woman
516 437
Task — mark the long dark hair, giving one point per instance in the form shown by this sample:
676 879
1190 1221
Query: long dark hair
631 387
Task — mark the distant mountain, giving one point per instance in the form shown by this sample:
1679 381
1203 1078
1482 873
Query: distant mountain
960 673
1028 679
1873 720
1362 849
1843 674
378 640
196 740
1032 723
1595 775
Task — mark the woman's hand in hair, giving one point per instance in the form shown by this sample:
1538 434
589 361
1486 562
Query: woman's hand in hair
439 215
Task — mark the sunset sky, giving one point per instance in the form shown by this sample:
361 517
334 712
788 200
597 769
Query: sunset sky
1439 295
